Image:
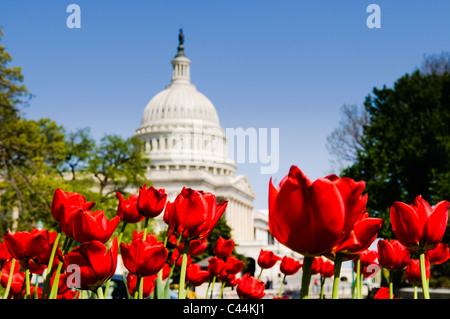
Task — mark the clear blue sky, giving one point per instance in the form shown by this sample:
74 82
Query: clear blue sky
265 64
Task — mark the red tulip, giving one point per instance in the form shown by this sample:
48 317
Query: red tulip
44 257
250 288
267 259
24 245
196 247
316 265
418 226
83 225
314 218
230 280
151 201
166 271
412 272
18 279
223 248
127 209
148 285
368 257
5 255
363 234
215 266
195 276
289 266
438 255
95 264
368 265
65 201
233 266
327 269
194 214
392 255
382 293
144 257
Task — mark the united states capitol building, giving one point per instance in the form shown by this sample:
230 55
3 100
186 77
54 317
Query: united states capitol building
187 146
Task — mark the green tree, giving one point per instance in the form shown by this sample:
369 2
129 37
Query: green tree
406 146
30 152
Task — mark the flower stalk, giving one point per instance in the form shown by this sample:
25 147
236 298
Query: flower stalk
337 275
184 259
306 277
423 275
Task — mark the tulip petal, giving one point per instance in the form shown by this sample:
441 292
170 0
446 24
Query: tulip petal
435 226
405 224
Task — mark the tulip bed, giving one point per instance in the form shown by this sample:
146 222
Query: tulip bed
325 221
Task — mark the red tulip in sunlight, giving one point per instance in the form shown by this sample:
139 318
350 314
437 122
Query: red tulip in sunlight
250 288
438 255
412 272
327 269
233 265
63 201
5 255
289 266
194 214
148 285
92 263
215 266
151 201
223 248
313 218
418 226
382 293
127 209
363 234
144 257
25 245
195 276
316 265
267 259
392 255
83 225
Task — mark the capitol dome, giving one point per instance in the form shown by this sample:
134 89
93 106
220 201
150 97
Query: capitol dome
180 126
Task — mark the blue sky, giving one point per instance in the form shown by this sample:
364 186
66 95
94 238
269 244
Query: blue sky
264 64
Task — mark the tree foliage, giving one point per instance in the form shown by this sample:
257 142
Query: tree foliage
38 156
406 147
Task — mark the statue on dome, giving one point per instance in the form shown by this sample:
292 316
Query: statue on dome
181 37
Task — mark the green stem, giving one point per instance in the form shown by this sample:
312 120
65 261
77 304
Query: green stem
281 286
260 273
358 278
391 284
27 278
423 275
207 290
183 270
415 291
136 288
221 290
11 273
337 275
100 293
145 228
54 290
48 277
322 284
306 277
212 287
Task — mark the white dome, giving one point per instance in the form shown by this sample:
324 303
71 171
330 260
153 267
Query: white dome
179 102
180 127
